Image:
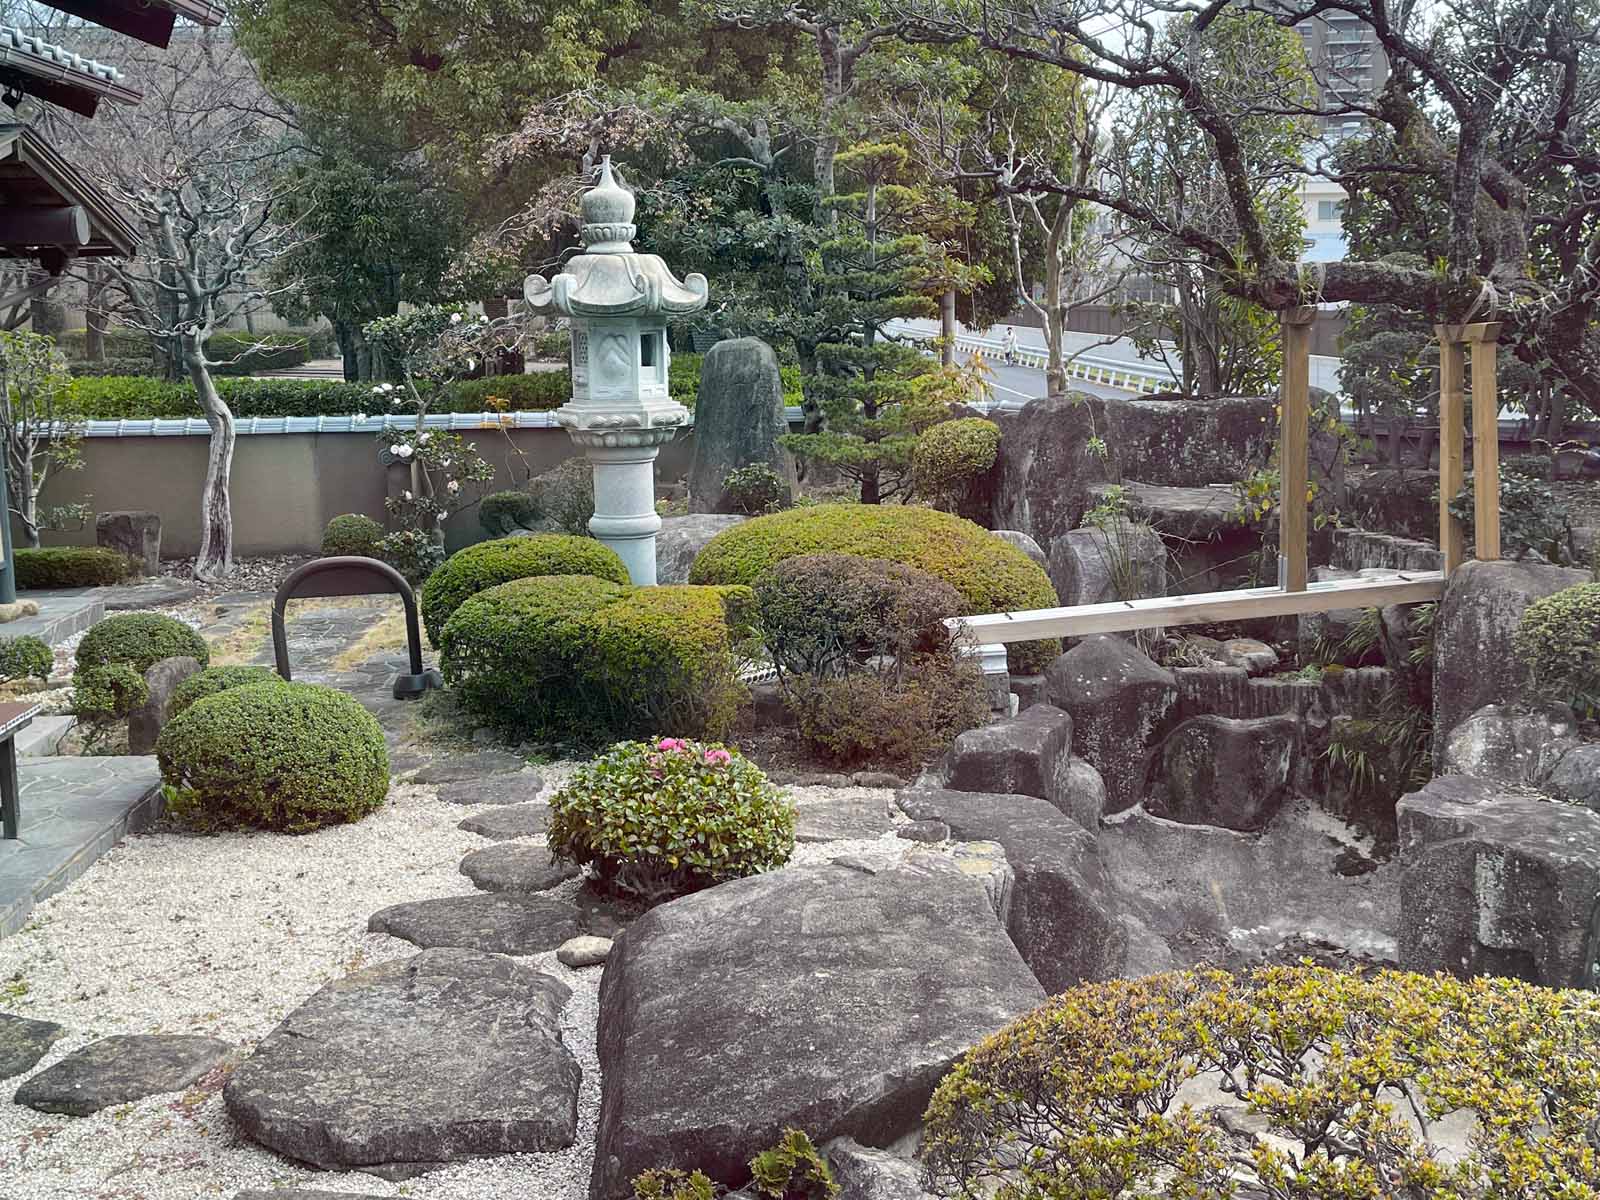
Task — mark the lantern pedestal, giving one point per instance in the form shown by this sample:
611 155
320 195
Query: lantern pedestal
625 516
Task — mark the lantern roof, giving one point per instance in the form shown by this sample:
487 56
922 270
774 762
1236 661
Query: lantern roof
609 279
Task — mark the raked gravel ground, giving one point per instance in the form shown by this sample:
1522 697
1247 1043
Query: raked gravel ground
224 936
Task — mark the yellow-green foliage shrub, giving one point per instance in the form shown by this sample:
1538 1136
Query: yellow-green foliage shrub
1559 641
283 756
586 659
1078 1100
791 1170
476 568
953 452
351 533
991 574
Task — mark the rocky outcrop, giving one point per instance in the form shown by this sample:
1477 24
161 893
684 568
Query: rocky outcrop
682 538
1225 772
136 535
445 1056
1504 744
146 722
738 419
1123 560
824 998
1029 754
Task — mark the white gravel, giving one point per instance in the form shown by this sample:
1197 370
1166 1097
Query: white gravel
224 936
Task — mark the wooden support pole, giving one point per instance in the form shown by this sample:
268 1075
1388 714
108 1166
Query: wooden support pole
1293 448
1485 439
1452 442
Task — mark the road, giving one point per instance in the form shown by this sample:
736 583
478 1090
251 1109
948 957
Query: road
1018 385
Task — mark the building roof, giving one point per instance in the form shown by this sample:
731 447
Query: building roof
148 20
31 66
50 210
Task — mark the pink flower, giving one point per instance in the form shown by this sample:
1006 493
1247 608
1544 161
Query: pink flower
718 758
670 744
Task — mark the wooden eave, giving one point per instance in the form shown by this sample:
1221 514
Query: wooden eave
150 21
35 179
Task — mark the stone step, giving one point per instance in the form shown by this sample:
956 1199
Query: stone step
42 737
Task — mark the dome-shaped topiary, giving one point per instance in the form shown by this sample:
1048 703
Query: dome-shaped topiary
283 756
488 564
141 640
503 513
954 451
1559 641
658 819
991 574
217 679
352 533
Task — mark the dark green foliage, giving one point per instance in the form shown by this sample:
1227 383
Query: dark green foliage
107 692
755 489
901 718
470 571
140 639
351 533
661 819
412 552
25 657
538 391
283 756
240 353
217 679
1532 520
69 567
583 659
502 513
793 1170
1559 641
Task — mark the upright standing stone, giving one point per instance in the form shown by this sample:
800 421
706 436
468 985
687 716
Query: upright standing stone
1122 561
161 680
738 419
134 534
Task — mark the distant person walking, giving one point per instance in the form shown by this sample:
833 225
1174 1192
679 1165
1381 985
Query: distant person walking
1009 346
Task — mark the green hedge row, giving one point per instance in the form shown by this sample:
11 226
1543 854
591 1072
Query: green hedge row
253 351
683 380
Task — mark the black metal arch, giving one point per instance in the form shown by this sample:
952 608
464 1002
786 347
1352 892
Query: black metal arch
352 575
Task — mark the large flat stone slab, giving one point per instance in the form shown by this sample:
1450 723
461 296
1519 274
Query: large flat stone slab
840 818
497 924
448 1055
455 767
511 821
821 998
23 1042
119 1070
514 787
510 867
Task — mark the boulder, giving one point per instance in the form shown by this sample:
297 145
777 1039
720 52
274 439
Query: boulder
682 538
1229 773
824 998
1503 744
453 768
863 1173
1057 915
1256 658
447 1055
1094 565
507 788
1044 466
24 1041
1576 776
162 679
1029 754
1118 699
134 534
1497 882
840 818
1026 544
1189 442
1474 662
738 418
120 1070
584 951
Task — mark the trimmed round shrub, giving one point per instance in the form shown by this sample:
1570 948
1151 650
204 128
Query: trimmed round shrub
487 564
1085 1097
663 818
991 574
1559 641
141 640
69 566
952 452
503 513
583 659
282 756
899 718
352 533
25 657
756 489
217 679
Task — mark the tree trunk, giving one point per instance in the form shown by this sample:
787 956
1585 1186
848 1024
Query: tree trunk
345 334
216 512
947 327
827 147
94 317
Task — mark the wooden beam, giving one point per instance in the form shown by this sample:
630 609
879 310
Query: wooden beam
1452 442
58 225
1485 441
1293 447
1122 616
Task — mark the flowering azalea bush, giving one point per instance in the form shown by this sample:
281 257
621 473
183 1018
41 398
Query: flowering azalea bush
663 818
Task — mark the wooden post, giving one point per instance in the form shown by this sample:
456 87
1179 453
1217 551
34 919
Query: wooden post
1293 442
1485 439
1452 442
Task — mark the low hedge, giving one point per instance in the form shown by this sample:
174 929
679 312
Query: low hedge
25 657
283 756
240 353
683 380
69 567
582 659
487 564
991 574
351 533
217 679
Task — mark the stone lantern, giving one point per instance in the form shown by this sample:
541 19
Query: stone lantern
620 413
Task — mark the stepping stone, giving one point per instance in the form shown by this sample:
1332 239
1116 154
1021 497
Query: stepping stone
840 818
23 1042
118 1070
444 1056
868 986
513 868
511 821
493 923
469 766
308 1196
519 788
584 952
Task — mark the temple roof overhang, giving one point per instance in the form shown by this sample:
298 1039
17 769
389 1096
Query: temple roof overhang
51 211
148 20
